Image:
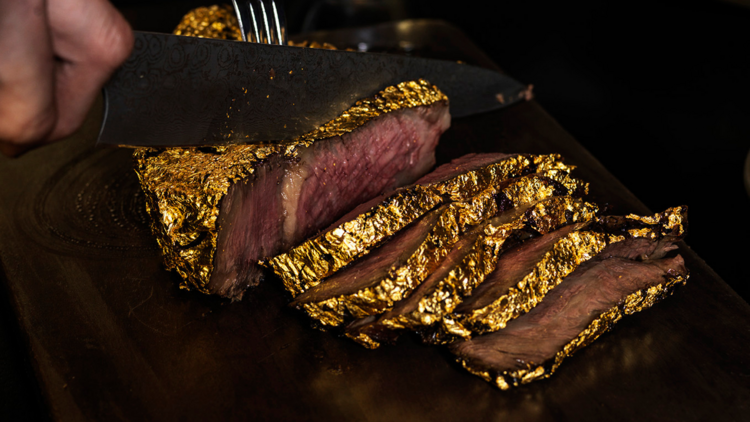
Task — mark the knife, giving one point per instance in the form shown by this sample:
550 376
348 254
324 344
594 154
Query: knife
187 91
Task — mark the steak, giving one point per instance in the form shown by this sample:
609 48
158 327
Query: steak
466 265
364 228
586 305
288 202
217 211
375 282
524 275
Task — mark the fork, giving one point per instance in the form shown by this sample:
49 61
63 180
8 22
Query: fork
261 21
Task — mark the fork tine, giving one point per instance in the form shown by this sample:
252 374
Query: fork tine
256 33
279 21
261 21
267 34
240 19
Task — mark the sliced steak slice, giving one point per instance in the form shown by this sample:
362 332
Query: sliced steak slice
524 276
323 302
368 225
577 312
373 330
470 260
467 176
374 283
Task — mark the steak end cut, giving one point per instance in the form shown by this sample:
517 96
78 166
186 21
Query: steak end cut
217 211
585 306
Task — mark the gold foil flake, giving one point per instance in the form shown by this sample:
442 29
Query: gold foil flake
554 213
536 187
364 340
562 176
552 162
644 233
635 302
672 221
210 22
307 264
312 44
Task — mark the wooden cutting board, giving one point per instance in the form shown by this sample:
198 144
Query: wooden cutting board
111 337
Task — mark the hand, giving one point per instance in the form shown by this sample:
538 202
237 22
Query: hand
55 55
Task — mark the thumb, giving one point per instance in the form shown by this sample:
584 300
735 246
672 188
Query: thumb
91 39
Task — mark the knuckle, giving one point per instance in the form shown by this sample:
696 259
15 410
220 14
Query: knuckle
114 42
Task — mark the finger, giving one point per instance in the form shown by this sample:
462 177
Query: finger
27 107
91 39
12 150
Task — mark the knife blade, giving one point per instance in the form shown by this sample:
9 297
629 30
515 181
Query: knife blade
187 91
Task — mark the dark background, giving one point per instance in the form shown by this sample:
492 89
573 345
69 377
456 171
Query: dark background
656 90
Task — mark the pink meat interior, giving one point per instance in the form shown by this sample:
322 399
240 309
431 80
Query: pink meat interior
284 202
537 336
